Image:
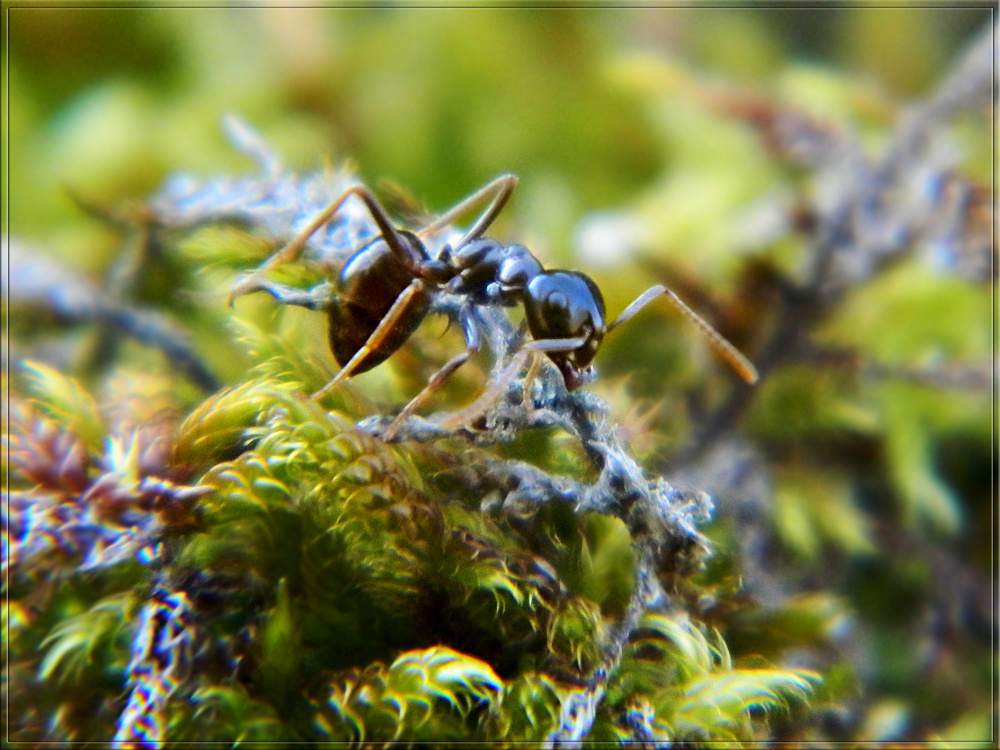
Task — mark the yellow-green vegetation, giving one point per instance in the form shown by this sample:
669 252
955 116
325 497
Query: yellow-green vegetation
325 586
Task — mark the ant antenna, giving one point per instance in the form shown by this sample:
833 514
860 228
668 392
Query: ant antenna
503 186
744 368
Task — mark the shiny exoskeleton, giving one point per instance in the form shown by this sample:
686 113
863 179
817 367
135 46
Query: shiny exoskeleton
386 288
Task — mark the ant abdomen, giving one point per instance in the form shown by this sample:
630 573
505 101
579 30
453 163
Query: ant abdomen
367 287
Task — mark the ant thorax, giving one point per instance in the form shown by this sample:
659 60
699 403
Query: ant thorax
490 272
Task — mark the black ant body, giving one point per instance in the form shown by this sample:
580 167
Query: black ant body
386 288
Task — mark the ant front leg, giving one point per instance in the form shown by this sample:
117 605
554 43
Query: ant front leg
497 389
291 252
744 368
503 186
527 400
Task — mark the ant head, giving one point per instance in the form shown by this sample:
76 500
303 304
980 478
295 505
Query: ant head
567 305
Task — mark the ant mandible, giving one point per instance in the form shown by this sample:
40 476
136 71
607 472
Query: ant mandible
386 288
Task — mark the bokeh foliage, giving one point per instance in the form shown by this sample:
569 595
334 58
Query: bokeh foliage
853 490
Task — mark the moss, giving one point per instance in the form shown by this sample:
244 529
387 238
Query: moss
189 561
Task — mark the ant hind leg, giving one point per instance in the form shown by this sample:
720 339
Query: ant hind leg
501 188
291 252
472 346
318 298
414 296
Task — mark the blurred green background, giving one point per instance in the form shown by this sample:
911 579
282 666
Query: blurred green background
440 100
592 108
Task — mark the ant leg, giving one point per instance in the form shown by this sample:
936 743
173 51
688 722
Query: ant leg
318 298
529 380
472 346
289 252
416 292
497 389
744 368
293 249
503 186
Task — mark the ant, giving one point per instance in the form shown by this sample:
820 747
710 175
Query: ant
387 287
